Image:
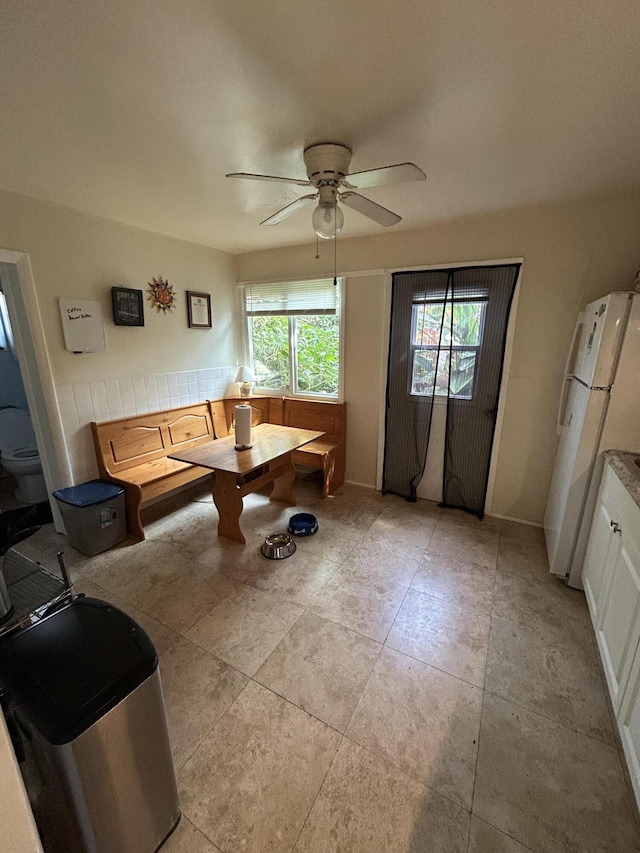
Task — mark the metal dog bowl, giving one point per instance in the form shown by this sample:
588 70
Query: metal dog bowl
303 524
277 546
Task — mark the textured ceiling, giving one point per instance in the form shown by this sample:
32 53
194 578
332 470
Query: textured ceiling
135 110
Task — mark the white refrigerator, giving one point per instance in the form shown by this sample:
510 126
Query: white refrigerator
599 410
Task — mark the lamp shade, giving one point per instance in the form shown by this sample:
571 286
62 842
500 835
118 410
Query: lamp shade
244 374
327 220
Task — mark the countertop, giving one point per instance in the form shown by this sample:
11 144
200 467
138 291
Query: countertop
627 471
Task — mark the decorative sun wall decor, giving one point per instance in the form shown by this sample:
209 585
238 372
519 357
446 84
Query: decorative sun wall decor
161 295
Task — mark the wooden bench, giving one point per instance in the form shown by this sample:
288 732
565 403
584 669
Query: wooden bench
133 453
326 453
222 412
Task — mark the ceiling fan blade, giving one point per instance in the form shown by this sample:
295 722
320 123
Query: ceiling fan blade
399 174
294 207
249 177
369 208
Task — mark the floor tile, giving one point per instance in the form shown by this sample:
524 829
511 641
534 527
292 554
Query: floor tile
333 541
245 628
484 838
443 635
360 603
355 512
296 579
185 838
457 581
551 604
423 721
367 806
250 785
321 667
407 524
168 521
198 689
460 518
271 517
526 534
387 559
550 788
181 600
469 544
525 559
549 671
132 570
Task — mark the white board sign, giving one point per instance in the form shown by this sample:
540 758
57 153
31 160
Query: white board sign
82 325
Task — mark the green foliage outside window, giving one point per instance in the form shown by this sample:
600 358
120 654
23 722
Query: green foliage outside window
318 342
316 351
270 337
456 370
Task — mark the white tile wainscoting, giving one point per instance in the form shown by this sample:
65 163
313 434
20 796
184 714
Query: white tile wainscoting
81 403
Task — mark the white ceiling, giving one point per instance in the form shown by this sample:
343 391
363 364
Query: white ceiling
135 110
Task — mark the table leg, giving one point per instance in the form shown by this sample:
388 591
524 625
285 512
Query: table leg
283 484
229 504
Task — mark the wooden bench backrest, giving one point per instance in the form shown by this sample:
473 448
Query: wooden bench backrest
311 414
222 412
128 442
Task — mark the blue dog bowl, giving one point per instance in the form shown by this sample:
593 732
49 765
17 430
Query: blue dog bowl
303 524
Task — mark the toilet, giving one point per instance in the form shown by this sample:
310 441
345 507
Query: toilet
19 455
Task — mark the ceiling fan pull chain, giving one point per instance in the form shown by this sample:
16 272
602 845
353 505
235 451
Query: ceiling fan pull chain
317 247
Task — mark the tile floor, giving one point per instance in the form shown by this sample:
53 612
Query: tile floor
410 681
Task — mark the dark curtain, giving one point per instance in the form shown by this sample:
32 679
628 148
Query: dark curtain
455 319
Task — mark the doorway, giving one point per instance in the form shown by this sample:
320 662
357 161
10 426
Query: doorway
448 330
35 371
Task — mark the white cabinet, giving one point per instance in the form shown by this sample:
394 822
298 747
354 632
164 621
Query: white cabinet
595 568
618 626
629 724
611 576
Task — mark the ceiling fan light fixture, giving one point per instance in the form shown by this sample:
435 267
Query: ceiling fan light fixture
327 220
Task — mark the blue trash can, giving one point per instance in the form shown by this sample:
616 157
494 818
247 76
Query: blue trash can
94 515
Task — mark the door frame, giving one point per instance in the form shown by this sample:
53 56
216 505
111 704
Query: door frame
35 368
506 367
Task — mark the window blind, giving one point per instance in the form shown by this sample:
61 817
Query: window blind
290 298
463 293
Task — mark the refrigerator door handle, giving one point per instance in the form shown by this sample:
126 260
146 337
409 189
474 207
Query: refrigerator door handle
569 367
563 404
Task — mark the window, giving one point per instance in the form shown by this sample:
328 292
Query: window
294 336
460 334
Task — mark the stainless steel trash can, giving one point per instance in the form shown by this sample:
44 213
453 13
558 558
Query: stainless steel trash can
84 688
94 515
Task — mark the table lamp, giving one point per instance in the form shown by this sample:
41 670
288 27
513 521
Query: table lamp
245 377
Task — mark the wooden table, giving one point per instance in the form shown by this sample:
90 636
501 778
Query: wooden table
239 472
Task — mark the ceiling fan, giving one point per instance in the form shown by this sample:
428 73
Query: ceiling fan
328 171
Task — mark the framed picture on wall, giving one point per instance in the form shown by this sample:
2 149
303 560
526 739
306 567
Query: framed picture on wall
199 308
128 306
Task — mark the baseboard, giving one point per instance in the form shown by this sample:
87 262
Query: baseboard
364 485
518 520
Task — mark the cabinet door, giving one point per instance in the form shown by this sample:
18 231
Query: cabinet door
599 556
629 724
618 627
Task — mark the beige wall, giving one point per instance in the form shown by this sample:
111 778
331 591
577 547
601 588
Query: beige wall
573 252
76 255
